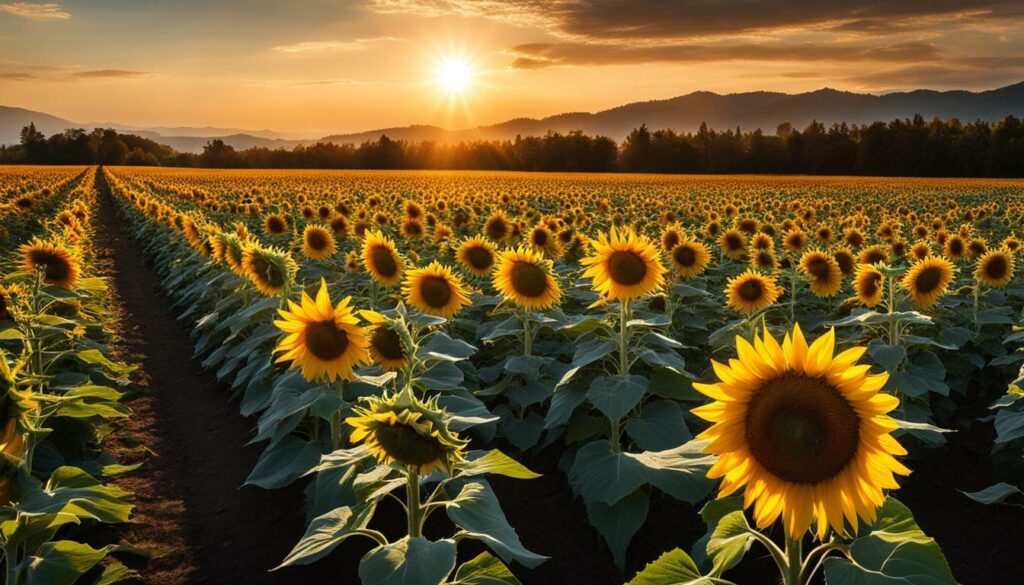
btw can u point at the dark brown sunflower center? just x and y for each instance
(874, 257)
(316, 240)
(801, 429)
(407, 446)
(627, 268)
(275, 225)
(388, 343)
(996, 267)
(479, 257)
(684, 256)
(325, 340)
(496, 229)
(928, 280)
(436, 291)
(733, 242)
(57, 269)
(751, 290)
(956, 247)
(671, 239)
(540, 238)
(383, 261)
(845, 263)
(818, 268)
(869, 285)
(528, 279)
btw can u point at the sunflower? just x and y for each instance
(325, 341)
(7, 295)
(543, 241)
(920, 251)
(869, 284)
(60, 265)
(476, 255)
(402, 430)
(435, 290)
(386, 346)
(526, 278)
(275, 224)
(733, 244)
(874, 254)
(381, 259)
(624, 266)
(844, 258)
(927, 280)
(764, 259)
(822, 272)
(269, 269)
(995, 268)
(690, 257)
(498, 228)
(317, 242)
(751, 291)
(806, 433)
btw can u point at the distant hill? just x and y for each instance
(764, 110)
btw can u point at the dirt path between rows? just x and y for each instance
(192, 440)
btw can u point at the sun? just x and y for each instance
(454, 75)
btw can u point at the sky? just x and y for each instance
(315, 67)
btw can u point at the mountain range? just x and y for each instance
(764, 110)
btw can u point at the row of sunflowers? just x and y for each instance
(60, 388)
(780, 343)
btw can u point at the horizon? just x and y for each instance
(347, 67)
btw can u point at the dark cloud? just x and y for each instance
(680, 19)
(938, 77)
(109, 74)
(16, 76)
(539, 55)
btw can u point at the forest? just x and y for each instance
(902, 147)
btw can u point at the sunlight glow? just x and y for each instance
(454, 75)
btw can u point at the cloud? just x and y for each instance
(303, 82)
(682, 19)
(16, 76)
(331, 46)
(540, 55)
(34, 11)
(109, 74)
(937, 77)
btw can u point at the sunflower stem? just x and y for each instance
(794, 561)
(977, 295)
(527, 335)
(415, 511)
(624, 317)
(336, 421)
(794, 276)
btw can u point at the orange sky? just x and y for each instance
(324, 66)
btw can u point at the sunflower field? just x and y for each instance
(61, 386)
(769, 356)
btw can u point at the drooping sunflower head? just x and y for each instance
(526, 278)
(822, 272)
(404, 431)
(477, 256)
(995, 268)
(804, 432)
(750, 292)
(435, 290)
(624, 266)
(59, 264)
(927, 280)
(8, 296)
(869, 284)
(269, 269)
(387, 348)
(317, 242)
(381, 259)
(275, 224)
(844, 258)
(324, 340)
(690, 257)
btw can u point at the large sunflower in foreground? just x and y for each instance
(477, 256)
(750, 292)
(624, 266)
(60, 265)
(927, 280)
(381, 259)
(435, 290)
(325, 341)
(525, 277)
(402, 430)
(806, 433)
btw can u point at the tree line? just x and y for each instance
(903, 147)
